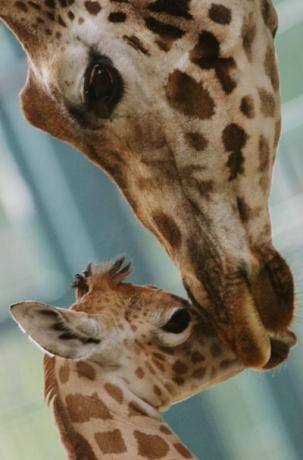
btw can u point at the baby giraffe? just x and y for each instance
(120, 355)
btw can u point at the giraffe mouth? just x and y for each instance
(280, 348)
(252, 312)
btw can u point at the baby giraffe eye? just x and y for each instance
(178, 322)
(103, 87)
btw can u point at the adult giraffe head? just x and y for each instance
(178, 101)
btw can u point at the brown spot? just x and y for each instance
(164, 429)
(182, 450)
(235, 165)
(167, 32)
(220, 14)
(179, 367)
(34, 5)
(111, 442)
(270, 16)
(114, 391)
(85, 370)
(178, 380)
(92, 7)
(118, 16)
(206, 54)
(134, 409)
(188, 96)
(21, 6)
(270, 66)
(248, 107)
(204, 187)
(207, 51)
(159, 356)
(81, 446)
(159, 365)
(226, 363)
(196, 141)
(82, 408)
(225, 70)
(139, 373)
(135, 43)
(152, 447)
(197, 357)
(50, 15)
(234, 137)
(215, 350)
(168, 228)
(248, 37)
(64, 372)
(157, 390)
(71, 15)
(61, 22)
(268, 103)
(264, 154)
(199, 373)
(179, 9)
(244, 209)
(150, 368)
(170, 388)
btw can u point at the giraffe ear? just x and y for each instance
(66, 333)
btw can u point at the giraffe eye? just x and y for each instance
(178, 322)
(103, 87)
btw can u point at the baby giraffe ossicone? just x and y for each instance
(121, 354)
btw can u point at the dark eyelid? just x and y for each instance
(178, 322)
(97, 101)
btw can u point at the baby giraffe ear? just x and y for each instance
(66, 333)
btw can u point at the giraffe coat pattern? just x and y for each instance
(179, 103)
(121, 354)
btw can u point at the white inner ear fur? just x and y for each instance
(57, 331)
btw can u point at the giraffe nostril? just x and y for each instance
(273, 291)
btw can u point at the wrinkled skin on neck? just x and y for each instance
(190, 139)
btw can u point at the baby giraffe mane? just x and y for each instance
(75, 444)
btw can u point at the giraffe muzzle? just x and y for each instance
(260, 312)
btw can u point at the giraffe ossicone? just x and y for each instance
(121, 354)
(178, 101)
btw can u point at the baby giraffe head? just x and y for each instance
(121, 354)
(160, 345)
(155, 342)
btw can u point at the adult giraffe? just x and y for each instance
(178, 101)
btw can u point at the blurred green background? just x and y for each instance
(58, 212)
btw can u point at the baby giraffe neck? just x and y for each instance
(102, 418)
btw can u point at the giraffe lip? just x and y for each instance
(281, 344)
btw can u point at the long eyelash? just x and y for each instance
(79, 282)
